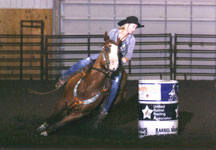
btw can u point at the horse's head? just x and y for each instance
(110, 54)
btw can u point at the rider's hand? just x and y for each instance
(124, 60)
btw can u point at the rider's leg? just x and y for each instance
(66, 76)
(77, 66)
(113, 92)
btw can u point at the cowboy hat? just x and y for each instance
(130, 19)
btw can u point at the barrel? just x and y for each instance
(158, 107)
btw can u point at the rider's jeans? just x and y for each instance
(113, 92)
(79, 65)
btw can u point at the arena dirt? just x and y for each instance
(22, 112)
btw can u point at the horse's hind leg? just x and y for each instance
(69, 118)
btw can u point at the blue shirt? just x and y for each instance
(127, 45)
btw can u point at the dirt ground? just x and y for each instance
(22, 112)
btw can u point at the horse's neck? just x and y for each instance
(94, 78)
(92, 83)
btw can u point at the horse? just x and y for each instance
(87, 89)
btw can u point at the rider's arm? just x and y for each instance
(130, 47)
(124, 60)
(113, 33)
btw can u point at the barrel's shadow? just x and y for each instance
(184, 118)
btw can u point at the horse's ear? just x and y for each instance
(106, 36)
(118, 42)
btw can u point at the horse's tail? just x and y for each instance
(41, 93)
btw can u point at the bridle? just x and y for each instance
(106, 70)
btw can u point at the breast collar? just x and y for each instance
(86, 101)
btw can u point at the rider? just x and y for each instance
(127, 27)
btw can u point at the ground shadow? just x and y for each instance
(184, 118)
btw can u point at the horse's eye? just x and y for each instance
(106, 48)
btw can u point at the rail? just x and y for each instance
(163, 56)
(21, 57)
(62, 51)
(195, 56)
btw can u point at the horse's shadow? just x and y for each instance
(122, 114)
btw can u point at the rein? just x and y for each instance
(94, 98)
(107, 73)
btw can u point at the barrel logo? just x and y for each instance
(149, 92)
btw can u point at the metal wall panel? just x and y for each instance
(27, 4)
(158, 16)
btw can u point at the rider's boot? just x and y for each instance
(74, 68)
(62, 81)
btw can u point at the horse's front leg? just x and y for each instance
(71, 117)
(42, 127)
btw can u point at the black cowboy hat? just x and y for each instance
(130, 19)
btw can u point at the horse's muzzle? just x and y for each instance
(113, 69)
(113, 66)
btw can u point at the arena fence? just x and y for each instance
(21, 57)
(152, 54)
(156, 56)
(194, 56)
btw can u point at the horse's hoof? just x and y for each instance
(42, 127)
(44, 133)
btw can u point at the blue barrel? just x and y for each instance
(158, 107)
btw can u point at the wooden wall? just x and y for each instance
(10, 20)
(10, 24)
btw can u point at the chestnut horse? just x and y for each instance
(87, 89)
